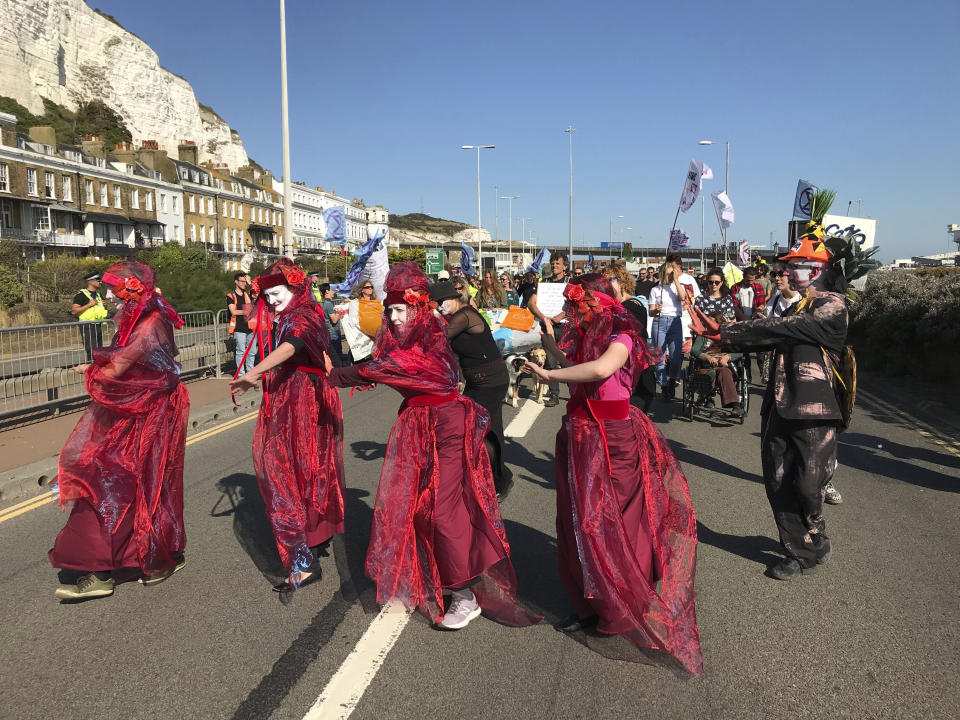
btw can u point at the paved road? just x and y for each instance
(872, 634)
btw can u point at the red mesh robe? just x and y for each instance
(298, 441)
(625, 521)
(436, 520)
(123, 464)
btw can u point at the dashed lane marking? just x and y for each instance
(523, 420)
(342, 694)
(925, 430)
(35, 502)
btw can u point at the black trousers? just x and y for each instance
(798, 458)
(487, 386)
(92, 335)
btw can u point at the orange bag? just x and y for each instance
(370, 316)
(518, 318)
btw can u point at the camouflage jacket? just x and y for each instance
(801, 382)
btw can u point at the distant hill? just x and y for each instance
(421, 223)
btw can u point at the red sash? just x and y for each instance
(425, 400)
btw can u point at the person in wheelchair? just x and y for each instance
(709, 360)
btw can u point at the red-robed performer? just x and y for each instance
(298, 441)
(436, 524)
(122, 467)
(624, 518)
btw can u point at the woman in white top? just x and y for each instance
(667, 301)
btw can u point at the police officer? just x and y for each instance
(314, 279)
(88, 306)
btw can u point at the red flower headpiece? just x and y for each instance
(588, 301)
(408, 296)
(128, 288)
(288, 275)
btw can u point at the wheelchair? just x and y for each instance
(699, 390)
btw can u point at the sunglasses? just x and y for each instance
(779, 273)
(714, 282)
(367, 287)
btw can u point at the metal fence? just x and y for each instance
(37, 361)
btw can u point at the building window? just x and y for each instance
(193, 232)
(240, 212)
(117, 202)
(174, 204)
(226, 237)
(203, 233)
(148, 199)
(49, 183)
(103, 195)
(211, 210)
(233, 209)
(176, 233)
(223, 207)
(4, 181)
(163, 202)
(31, 181)
(135, 198)
(6, 215)
(192, 203)
(41, 218)
(235, 245)
(88, 187)
(67, 188)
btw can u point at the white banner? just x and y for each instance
(550, 298)
(724, 208)
(694, 182)
(864, 229)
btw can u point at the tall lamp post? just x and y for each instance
(478, 148)
(726, 190)
(511, 198)
(570, 131)
(610, 236)
(285, 133)
(496, 219)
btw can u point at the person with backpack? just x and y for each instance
(801, 413)
(244, 331)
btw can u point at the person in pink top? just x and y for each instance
(625, 522)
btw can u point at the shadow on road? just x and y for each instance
(241, 498)
(757, 548)
(368, 450)
(527, 466)
(860, 452)
(534, 557)
(686, 456)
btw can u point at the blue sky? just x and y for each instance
(862, 97)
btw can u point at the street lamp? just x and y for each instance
(478, 148)
(726, 190)
(511, 198)
(570, 131)
(610, 235)
(285, 139)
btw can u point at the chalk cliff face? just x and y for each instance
(64, 51)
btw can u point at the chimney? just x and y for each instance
(247, 173)
(92, 145)
(187, 151)
(8, 129)
(266, 180)
(124, 152)
(44, 134)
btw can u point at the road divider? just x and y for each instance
(523, 420)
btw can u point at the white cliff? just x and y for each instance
(64, 51)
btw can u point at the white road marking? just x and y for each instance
(523, 420)
(342, 694)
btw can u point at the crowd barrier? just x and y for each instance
(37, 361)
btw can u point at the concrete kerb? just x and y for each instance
(31, 480)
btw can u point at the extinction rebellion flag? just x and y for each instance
(678, 240)
(697, 173)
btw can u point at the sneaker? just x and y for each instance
(551, 401)
(736, 411)
(831, 495)
(88, 586)
(463, 608)
(159, 577)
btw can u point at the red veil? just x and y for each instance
(614, 580)
(298, 441)
(124, 459)
(417, 361)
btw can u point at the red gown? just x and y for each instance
(122, 466)
(436, 521)
(298, 441)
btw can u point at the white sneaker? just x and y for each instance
(463, 609)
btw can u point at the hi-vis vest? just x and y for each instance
(94, 312)
(317, 295)
(232, 327)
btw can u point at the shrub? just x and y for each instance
(11, 291)
(906, 322)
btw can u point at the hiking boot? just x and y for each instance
(463, 608)
(88, 586)
(831, 495)
(787, 569)
(159, 577)
(551, 400)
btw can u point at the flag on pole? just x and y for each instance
(590, 260)
(542, 258)
(466, 259)
(374, 253)
(678, 240)
(336, 221)
(697, 173)
(743, 255)
(801, 203)
(724, 208)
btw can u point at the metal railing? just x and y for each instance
(37, 361)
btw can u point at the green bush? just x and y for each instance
(189, 276)
(905, 323)
(11, 291)
(63, 277)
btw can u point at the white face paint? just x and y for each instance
(449, 306)
(397, 314)
(803, 273)
(278, 297)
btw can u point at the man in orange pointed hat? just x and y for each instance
(800, 412)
